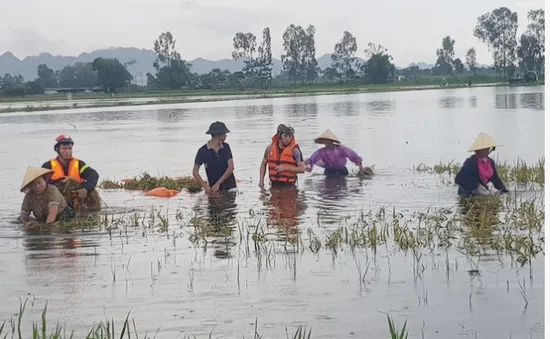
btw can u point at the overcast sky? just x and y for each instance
(411, 30)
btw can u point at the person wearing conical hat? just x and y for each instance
(479, 169)
(333, 156)
(42, 199)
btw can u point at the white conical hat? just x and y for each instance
(327, 135)
(32, 173)
(483, 141)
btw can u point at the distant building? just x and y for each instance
(139, 79)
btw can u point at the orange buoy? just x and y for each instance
(161, 192)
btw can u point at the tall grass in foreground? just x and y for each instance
(13, 329)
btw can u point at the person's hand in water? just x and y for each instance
(308, 169)
(215, 187)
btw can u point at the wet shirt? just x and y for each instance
(39, 204)
(333, 157)
(215, 164)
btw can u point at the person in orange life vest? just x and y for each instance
(65, 167)
(283, 158)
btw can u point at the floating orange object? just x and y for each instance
(161, 192)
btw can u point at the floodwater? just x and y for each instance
(168, 282)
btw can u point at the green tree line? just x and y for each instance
(497, 29)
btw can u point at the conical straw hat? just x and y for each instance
(31, 174)
(327, 135)
(483, 141)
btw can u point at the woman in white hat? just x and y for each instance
(479, 169)
(333, 156)
(43, 200)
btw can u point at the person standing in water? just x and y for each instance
(283, 158)
(333, 156)
(479, 169)
(218, 161)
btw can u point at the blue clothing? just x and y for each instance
(468, 179)
(215, 164)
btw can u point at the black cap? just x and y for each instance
(217, 128)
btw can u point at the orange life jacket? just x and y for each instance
(59, 172)
(275, 159)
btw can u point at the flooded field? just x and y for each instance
(334, 256)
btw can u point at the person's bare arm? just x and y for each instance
(53, 210)
(198, 177)
(263, 167)
(24, 217)
(227, 173)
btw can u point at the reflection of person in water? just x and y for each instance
(219, 220)
(222, 209)
(286, 207)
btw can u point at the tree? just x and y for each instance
(445, 57)
(165, 49)
(531, 43)
(471, 59)
(46, 77)
(309, 61)
(111, 74)
(258, 60)
(245, 49)
(498, 30)
(265, 59)
(379, 67)
(172, 71)
(458, 66)
(78, 75)
(299, 62)
(343, 58)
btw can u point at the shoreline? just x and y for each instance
(167, 98)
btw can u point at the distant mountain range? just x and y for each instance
(144, 58)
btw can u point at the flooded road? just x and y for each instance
(167, 278)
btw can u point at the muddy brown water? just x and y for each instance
(168, 282)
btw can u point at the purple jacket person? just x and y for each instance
(333, 156)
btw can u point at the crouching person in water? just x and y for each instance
(73, 177)
(42, 199)
(333, 156)
(479, 169)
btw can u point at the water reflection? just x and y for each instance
(381, 105)
(346, 108)
(172, 115)
(473, 101)
(302, 110)
(451, 102)
(217, 220)
(285, 206)
(523, 100)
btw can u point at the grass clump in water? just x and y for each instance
(146, 182)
